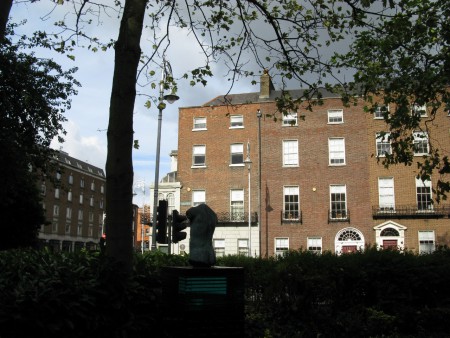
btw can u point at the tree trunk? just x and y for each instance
(5, 9)
(119, 166)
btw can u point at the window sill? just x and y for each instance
(199, 129)
(290, 166)
(237, 165)
(337, 165)
(198, 166)
(238, 127)
(335, 123)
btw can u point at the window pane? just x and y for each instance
(336, 147)
(236, 121)
(291, 203)
(237, 153)
(290, 152)
(335, 116)
(198, 155)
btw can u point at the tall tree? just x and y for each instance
(34, 94)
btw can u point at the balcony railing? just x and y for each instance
(339, 216)
(411, 211)
(291, 217)
(236, 217)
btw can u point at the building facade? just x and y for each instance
(74, 205)
(314, 182)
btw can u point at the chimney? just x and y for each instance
(266, 85)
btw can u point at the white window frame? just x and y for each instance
(421, 138)
(335, 116)
(67, 228)
(290, 153)
(79, 229)
(81, 198)
(82, 182)
(419, 110)
(68, 213)
(69, 196)
(102, 189)
(237, 211)
(54, 227)
(236, 149)
(427, 241)
(382, 144)
(281, 245)
(70, 178)
(236, 121)
(100, 204)
(91, 216)
(93, 186)
(291, 208)
(336, 151)
(219, 247)
(80, 214)
(379, 111)
(199, 152)
(290, 120)
(386, 194)
(242, 248)
(57, 191)
(423, 197)
(314, 244)
(56, 210)
(198, 197)
(199, 123)
(338, 212)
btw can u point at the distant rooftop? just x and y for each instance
(70, 161)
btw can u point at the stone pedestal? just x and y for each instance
(203, 302)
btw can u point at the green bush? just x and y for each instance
(368, 294)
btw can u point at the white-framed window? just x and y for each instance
(237, 204)
(335, 116)
(67, 228)
(423, 195)
(386, 198)
(170, 202)
(380, 111)
(100, 204)
(79, 229)
(199, 156)
(383, 144)
(338, 201)
(80, 215)
(237, 154)
(93, 186)
(243, 247)
(427, 242)
(54, 227)
(68, 212)
(290, 153)
(91, 201)
(219, 247)
(336, 151)
(58, 175)
(82, 182)
(281, 245)
(70, 178)
(91, 216)
(102, 189)
(420, 143)
(90, 230)
(289, 120)
(81, 198)
(236, 121)
(199, 123)
(56, 192)
(419, 110)
(69, 196)
(291, 203)
(314, 244)
(56, 210)
(198, 197)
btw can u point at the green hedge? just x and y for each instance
(370, 294)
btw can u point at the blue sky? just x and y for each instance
(88, 118)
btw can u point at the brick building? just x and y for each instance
(74, 205)
(313, 179)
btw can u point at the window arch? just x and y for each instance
(389, 232)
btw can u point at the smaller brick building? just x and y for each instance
(74, 205)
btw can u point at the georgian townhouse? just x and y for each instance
(307, 180)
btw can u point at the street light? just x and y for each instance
(249, 165)
(171, 98)
(259, 115)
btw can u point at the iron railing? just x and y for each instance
(411, 211)
(236, 217)
(290, 217)
(339, 216)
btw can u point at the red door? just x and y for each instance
(390, 244)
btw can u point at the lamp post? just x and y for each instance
(249, 165)
(259, 115)
(171, 98)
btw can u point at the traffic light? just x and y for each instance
(178, 224)
(161, 223)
